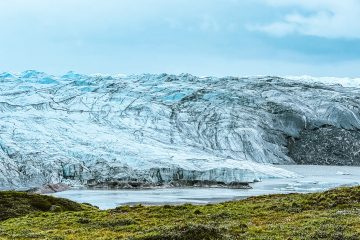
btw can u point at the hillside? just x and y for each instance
(334, 214)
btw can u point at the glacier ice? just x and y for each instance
(89, 129)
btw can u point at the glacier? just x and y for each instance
(156, 129)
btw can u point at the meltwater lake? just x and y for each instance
(310, 179)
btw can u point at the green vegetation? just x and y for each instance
(16, 204)
(334, 214)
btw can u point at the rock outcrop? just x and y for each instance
(326, 145)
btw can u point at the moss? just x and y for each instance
(190, 231)
(15, 204)
(116, 223)
(334, 214)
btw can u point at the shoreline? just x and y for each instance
(327, 215)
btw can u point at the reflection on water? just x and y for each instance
(311, 179)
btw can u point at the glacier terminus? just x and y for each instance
(171, 130)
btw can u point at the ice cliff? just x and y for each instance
(164, 128)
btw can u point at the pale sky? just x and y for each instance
(202, 37)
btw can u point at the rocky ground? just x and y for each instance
(326, 145)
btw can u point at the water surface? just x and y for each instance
(310, 179)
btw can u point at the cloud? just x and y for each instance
(136, 36)
(321, 18)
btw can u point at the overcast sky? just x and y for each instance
(202, 37)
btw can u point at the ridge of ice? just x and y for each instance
(343, 81)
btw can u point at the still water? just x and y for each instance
(310, 179)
